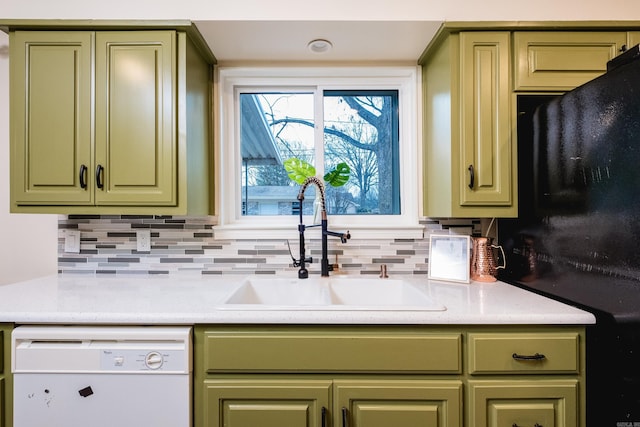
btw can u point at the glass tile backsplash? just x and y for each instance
(187, 245)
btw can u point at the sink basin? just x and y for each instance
(387, 294)
(329, 294)
(275, 293)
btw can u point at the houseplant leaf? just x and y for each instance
(338, 176)
(298, 170)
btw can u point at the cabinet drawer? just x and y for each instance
(563, 60)
(524, 353)
(289, 350)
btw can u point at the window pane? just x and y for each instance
(361, 130)
(273, 128)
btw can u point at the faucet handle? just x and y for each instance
(345, 237)
(335, 266)
(383, 271)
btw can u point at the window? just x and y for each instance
(359, 128)
(364, 117)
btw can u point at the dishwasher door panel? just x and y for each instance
(101, 400)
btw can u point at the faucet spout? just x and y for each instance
(325, 267)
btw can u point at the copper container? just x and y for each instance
(484, 265)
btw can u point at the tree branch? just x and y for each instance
(330, 131)
(362, 112)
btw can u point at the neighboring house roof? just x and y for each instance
(269, 192)
(258, 144)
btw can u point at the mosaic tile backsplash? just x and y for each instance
(187, 245)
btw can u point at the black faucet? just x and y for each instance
(325, 267)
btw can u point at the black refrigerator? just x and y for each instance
(577, 236)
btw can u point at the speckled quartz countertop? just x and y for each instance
(189, 300)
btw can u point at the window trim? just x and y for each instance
(405, 79)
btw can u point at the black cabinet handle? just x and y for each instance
(345, 415)
(324, 417)
(83, 176)
(623, 48)
(99, 173)
(472, 177)
(535, 425)
(536, 356)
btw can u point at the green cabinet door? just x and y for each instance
(562, 60)
(2, 403)
(391, 403)
(265, 403)
(486, 150)
(470, 163)
(508, 403)
(136, 148)
(51, 105)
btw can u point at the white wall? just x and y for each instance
(28, 243)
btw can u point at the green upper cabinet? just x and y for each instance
(108, 121)
(470, 168)
(135, 150)
(51, 106)
(561, 61)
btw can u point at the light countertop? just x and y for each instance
(189, 300)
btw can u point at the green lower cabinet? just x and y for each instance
(356, 403)
(266, 403)
(406, 403)
(6, 380)
(509, 403)
(2, 414)
(389, 376)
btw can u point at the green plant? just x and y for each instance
(299, 170)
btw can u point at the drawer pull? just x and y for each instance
(324, 417)
(536, 356)
(535, 425)
(344, 417)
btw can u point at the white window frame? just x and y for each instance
(405, 79)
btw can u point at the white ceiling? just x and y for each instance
(286, 41)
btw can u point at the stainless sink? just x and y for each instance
(332, 293)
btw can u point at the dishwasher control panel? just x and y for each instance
(114, 360)
(102, 349)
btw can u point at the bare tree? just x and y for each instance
(363, 165)
(377, 111)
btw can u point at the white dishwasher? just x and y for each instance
(102, 376)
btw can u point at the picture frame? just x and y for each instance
(449, 257)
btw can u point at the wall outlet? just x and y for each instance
(72, 241)
(143, 240)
